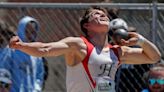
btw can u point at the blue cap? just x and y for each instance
(5, 76)
(22, 27)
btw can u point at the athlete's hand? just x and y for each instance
(15, 42)
(134, 37)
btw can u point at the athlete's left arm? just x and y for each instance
(147, 54)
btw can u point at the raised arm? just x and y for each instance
(61, 47)
(147, 54)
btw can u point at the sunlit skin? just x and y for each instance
(97, 28)
(157, 75)
(98, 21)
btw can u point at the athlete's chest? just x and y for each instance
(102, 57)
(103, 63)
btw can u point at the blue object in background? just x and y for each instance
(22, 27)
(27, 71)
(145, 90)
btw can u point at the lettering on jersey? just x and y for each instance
(104, 86)
(106, 69)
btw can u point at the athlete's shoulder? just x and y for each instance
(115, 46)
(72, 39)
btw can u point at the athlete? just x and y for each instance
(91, 61)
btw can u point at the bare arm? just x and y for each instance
(61, 47)
(147, 54)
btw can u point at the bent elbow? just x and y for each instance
(156, 58)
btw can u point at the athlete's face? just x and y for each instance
(98, 21)
(156, 81)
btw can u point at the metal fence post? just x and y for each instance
(23, 12)
(154, 21)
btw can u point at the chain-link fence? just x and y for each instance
(59, 20)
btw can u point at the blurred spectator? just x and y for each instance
(28, 72)
(5, 35)
(5, 80)
(6, 32)
(155, 79)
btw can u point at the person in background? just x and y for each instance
(28, 72)
(6, 32)
(91, 61)
(5, 80)
(155, 79)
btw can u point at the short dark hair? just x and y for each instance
(85, 18)
(113, 13)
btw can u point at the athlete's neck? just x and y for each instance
(99, 40)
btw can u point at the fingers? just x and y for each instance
(14, 39)
(14, 42)
(130, 42)
(134, 37)
(133, 34)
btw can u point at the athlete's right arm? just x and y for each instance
(64, 46)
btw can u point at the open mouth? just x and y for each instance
(103, 19)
